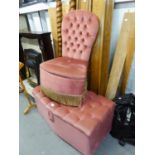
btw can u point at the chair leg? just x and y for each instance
(28, 108)
(30, 104)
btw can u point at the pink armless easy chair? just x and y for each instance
(63, 79)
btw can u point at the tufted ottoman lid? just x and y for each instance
(87, 118)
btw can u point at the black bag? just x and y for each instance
(123, 127)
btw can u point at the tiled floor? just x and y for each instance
(36, 138)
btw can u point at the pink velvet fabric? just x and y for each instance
(67, 75)
(60, 84)
(82, 127)
(66, 67)
(79, 30)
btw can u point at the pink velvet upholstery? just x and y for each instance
(82, 127)
(64, 79)
(66, 67)
(79, 29)
(60, 84)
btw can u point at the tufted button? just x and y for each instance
(87, 34)
(66, 31)
(75, 38)
(65, 43)
(82, 19)
(85, 46)
(82, 40)
(69, 37)
(85, 26)
(80, 33)
(78, 25)
(73, 31)
(80, 52)
(71, 24)
(74, 50)
(67, 49)
(71, 44)
(89, 20)
(78, 45)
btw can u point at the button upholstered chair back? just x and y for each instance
(63, 79)
(79, 30)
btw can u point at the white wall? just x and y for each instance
(22, 23)
(119, 11)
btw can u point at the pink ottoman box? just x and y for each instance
(83, 127)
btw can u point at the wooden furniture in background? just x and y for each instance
(72, 5)
(59, 21)
(105, 61)
(55, 15)
(53, 24)
(44, 41)
(30, 104)
(98, 8)
(21, 59)
(84, 4)
(32, 61)
(123, 48)
(65, 7)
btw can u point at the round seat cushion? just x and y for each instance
(66, 67)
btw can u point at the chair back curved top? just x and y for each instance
(79, 30)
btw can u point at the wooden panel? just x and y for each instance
(120, 55)
(77, 4)
(129, 59)
(52, 17)
(84, 4)
(72, 5)
(104, 73)
(65, 7)
(98, 7)
(89, 6)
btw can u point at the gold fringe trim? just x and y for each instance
(64, 99)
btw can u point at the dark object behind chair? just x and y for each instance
(33, 60)
(123, 127)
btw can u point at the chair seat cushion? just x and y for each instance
(64, 80)
(66, 67)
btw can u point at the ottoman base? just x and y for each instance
(82, 127)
